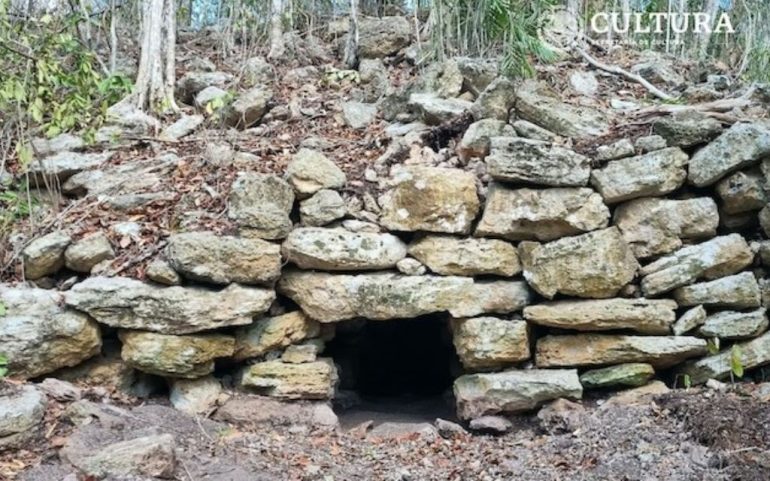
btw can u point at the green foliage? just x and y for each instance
(3, 366)
(736, 364)
(14, 205)
(713, 345)
(51, 80)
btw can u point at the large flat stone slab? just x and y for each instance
(132, 304)
(379, 296)
(740, 291)
(653, 226)
(647, 316)
(221, 259)
(652, 174)
(734, 324)
(607, 349)
(515, 159)
(342, 250)
(513, 391)
(452, 256)
(597, 264)
(541, 214)
(712, 259)
(741, 145)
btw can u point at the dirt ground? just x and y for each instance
(698, 434)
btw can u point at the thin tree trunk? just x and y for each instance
(351, 47)
(711, 8)
(154, 89)
(113, 38)
(277, 48)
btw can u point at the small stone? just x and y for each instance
(431, 199)
(650, 143)
(298, 354)
(584, 83)
(274, 333)
(64, 165)
(248, 108)
(475, 141)
(208, 96)
(491, 424)
(653, 174)
(257, 71)
(739, 291)
(561, 416)
(151, 456)
(358, 115)
(489, 342)
(734, 325)
(603, 349)
(311, 380)
(541, 214)
(84, 254)
(220, 259)
(715, 258)
(45, 255)
(688, 321)
(262, 204)
(160, 271)
(513, 391)
(451, 256)
(195, 396)
(181, 128)
(310, 171)
(647, 316)
(60, 390)
(411, 267)
(597, 264)
(528, 130)
(741, 145)
(191, 83)
(514, 159)
(324, 207)
(434, 110)
(637, 395)
(448, 429)
(618, 150)
(742, 192)
(21, 414)
(653, 226)
(187, 357)
(687, 129)
(632, 374)
(443, 78)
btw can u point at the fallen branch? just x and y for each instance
(623, 73)
(709, 108)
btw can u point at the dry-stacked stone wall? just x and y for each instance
(559, 273)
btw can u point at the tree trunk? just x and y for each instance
(711, 8)
(277, 48)
(154, 89)
(351, 47)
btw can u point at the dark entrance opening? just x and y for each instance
(395, 365)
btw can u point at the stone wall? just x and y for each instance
(558, 272)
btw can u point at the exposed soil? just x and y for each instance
(684, 435)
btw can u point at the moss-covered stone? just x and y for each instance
(631, 374)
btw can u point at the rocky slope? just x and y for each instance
(566, 251)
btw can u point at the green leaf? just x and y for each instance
(736, 364)
(2, 313)
(712, 345)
